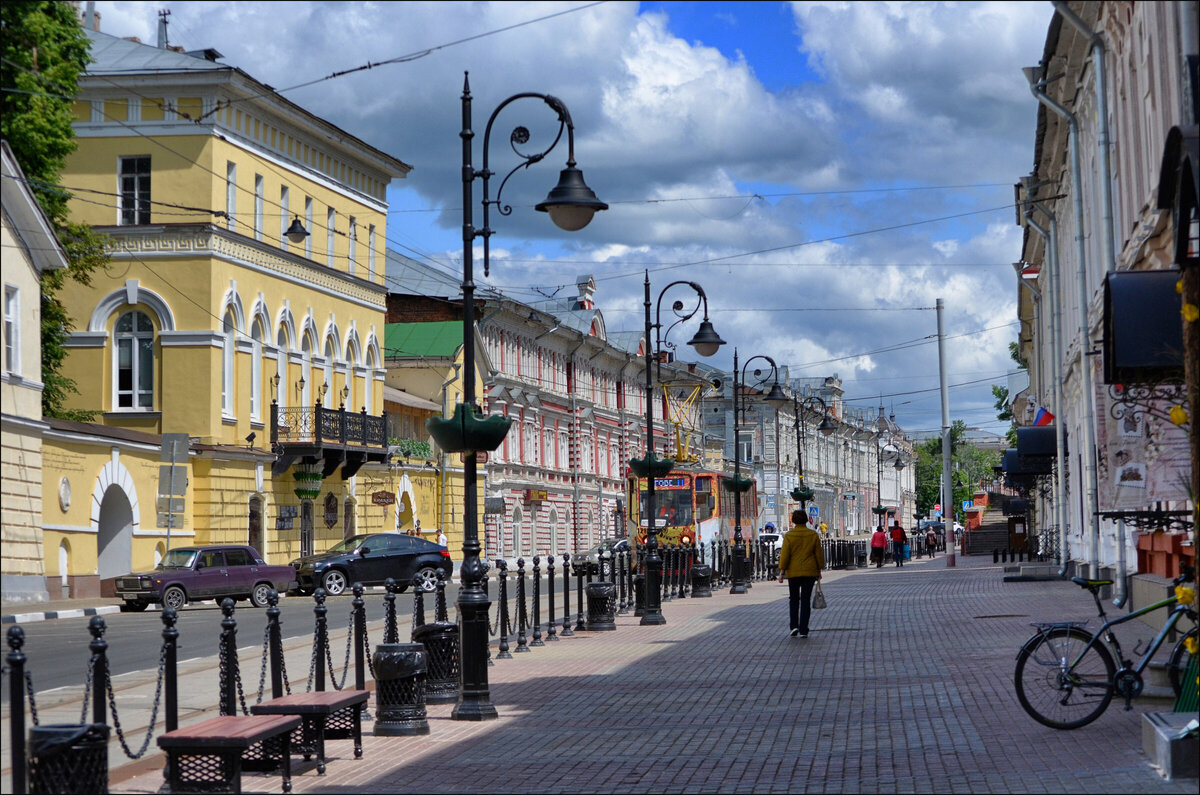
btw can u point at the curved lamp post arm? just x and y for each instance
(705, 341)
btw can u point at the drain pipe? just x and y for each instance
(1107, 236)
(444, 459)
(1060, 494)
(1037, 86)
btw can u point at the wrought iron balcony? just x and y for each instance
(346, 439)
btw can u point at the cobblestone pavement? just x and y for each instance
(905, 685)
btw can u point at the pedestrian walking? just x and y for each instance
(879, 542)
(899, 539)
(931, 542)
(800, 563)
(441, 538)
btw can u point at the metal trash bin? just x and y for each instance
(68, 758)
(440, 640)
(400, 670)
(701, 580)
(601, 606)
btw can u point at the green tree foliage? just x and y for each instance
(44, 51)
(970, 466)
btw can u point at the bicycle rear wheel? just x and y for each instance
(1178, 662)
(1054, 696)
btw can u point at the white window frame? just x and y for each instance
(283, 216)
(308, 224)
(134, 337)
(353, 247)
(281, 368)
(330, 220)
(231, 196)
(256, 371)
(258, 207)
(140, 215)
(371, 252)
(12, 329)
(229, 336)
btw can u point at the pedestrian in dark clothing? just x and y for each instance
(800, 563)
(899, 539)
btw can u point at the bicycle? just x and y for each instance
(1066, 676)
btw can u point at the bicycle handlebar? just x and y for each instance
(1186, 574)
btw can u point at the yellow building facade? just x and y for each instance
(243, 310)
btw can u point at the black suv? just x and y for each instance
(372, 558)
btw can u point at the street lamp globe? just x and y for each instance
(707, 341)
(776, 399)
(571, 204)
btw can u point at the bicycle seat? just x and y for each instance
(1089, 584)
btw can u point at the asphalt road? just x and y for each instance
(58, 651)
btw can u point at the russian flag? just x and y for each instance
(1043, 417)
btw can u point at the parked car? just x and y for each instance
(371, 559)
(592, 556)
(188, 574)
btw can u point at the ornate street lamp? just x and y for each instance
(776, 399)
(705, 342)
(571, 205)
(802, 494)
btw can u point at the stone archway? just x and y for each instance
(116, 514)
(114, 539)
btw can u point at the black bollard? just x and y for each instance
(566, 622)
(667, 551)
(503, 653)
(440, 613)
(522, 616)
(274, 643)
(99, 649)
(16, 710)
(227, 658)
(995, 555)
(622, 577)
(391, 633)
(322, 638)
(170, 637)
(360, 637)
(551, 632)
(579, 572)
(537, 595)
(418, 619)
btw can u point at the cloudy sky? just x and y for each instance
(826, 171)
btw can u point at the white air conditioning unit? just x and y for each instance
(758, 459)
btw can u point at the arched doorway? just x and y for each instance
(254, 529)
(114, 540)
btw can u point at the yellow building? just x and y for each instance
(244, 305)
(30, 247)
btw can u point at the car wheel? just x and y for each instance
(258, 596)
(133, 607)
(426, 579)
(174, 598)
(334, 582)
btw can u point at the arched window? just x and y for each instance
(256, 372)
(228, 328)
(306, 371)
(134, 361)
(281, 349)
(328, 374)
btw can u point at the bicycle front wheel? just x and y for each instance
(1177, 663)
(1057, 686)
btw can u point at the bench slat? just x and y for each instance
(311, 703)
(229, 731)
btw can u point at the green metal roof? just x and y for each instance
(437, 339)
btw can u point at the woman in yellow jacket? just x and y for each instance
(800, 562)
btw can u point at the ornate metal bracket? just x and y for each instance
(1133, 401)
(1151, 521)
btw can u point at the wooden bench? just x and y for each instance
(315, 709)
(207, 756)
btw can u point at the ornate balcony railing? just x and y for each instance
(318, 426)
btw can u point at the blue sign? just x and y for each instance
(813, 511)
(967, 504)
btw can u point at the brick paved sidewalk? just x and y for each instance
(904, 686)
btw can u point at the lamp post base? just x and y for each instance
(474, 697)
(652, 596)
(737, 582)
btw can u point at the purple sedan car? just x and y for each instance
(205, 572)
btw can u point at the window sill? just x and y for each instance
(141, 413)
(225, 420)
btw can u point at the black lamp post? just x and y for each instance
(571, 205)
(776, 399)
(802, 494)
(705, 342)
